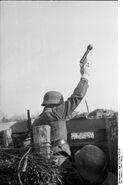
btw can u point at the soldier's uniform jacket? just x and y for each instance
(74, 178)
(56, 116)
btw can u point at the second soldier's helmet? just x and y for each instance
(52, 97)
(91, 162)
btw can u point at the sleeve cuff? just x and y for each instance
(84, 79)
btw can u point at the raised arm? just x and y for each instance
(74, 100)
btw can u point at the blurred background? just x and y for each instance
(41, 46)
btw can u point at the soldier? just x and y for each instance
(55, 112)
(91, 164)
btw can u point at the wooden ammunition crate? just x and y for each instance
(101, 132)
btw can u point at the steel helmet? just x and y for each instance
(91, 162)
(52, 97)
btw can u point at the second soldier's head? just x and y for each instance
(91, 163)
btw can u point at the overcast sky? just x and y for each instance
(42, 44)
